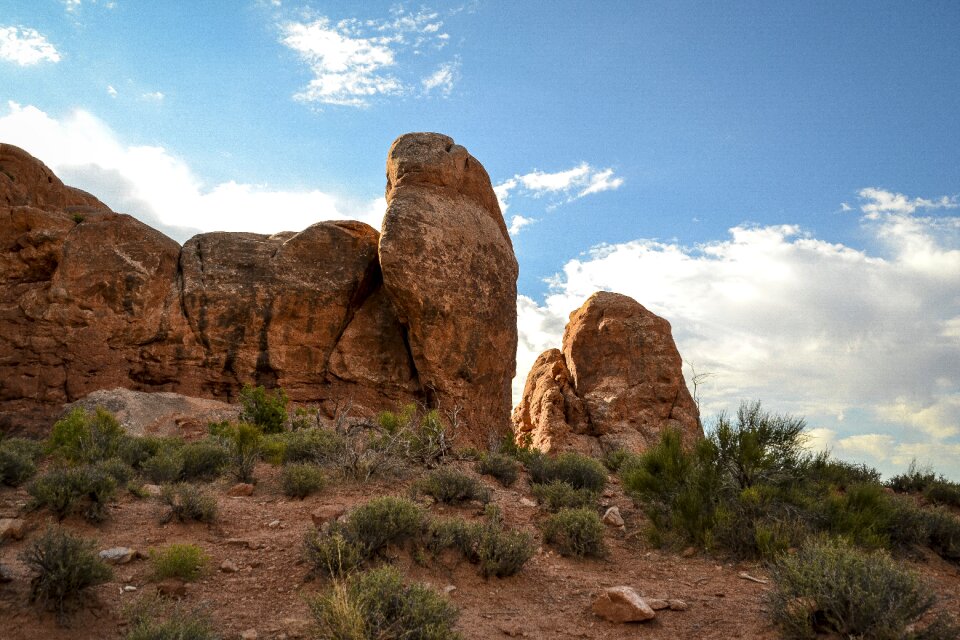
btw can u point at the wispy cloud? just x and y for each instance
(518, 222)
(864, 343)
(354, 61)
(156, 186)
(153, 96)
(559, 187)
(111, 91)
(74, 6)
(879, 201)
(25, 46)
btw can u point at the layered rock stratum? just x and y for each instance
(617, 382)
(337, 313)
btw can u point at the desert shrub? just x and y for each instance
(203, 460)
(829, 586)
(385, 520)
(827, 471)
(26, 447)
(84, 437)
(15, 467)
(300, 480)
(422, 436)
(451, 486)
(499, 465)
(264, 409)
(63, 565)
(117, 469)
(615, 459)
(579, 471)
(500, 553)
(378, 604)
(316, 445)
(243, 443)
(155, 619)
(333, 552)
(63, 490)
(165, 466)
(942, 532)
(915, 480)
(575, 532)
(450, 533)
(188, 502)
(183, 561)
(943, 492)
(137, 450)
(558, 495)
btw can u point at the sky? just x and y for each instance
(779, 180)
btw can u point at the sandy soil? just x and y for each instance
(550, 598)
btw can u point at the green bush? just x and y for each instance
(499, 465)
(579, 471)
(316, 445)
(450, 486)
(15, 467)
(26, 447)
(117, 469)
(300, 480)
(333, 552)
(575, 532)
(158, 620)
(183, 561)
(829, 586)
(244, 444)
(385, 520)
(84, 437)
(203, 460)
(165, 466)
(188, 502)
(943, 492)
(942, 532)
(63, 565)
(824, 470)
(450, 533)
(616, 459)
(263, 409)
(501, 553)
(63, 490)
(378, 604)
(422, 436)
(558, 495)
(915, 480)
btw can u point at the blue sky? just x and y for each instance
(777, 179)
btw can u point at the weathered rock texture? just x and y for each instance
(451, 274)
(91, 299)
(617, 382)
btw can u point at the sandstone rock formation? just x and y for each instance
(617, 382)
(91, 299)
(451, 274)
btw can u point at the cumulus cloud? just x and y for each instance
(159, 188)
(519, 222)
(26, 47)
(861, 342)
(354, 61)
(880, 201)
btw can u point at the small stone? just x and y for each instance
(129, 588)
(449, 589)
(689, 552)
(172, 588)
(657, 604)
(249, 634)
(5, 574)
(274, 524)
(527, 502)
(678, 605)
(241, 489)
(326, 514)
(151, 489)
(622, 604)
(12, 528)
(118, 555)
(229, 566)
(238, 541)
(613, 518)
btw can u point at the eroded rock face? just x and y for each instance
(451, 274)
(617, 382)
(93, 300)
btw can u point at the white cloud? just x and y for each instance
(442, 79)
(25, 46)
(74, 6)
(880, 201)
(159, 188)
(563, 186)
(807, 326)
(354, 61)
(111, 91)
(153, 96)
(519, 222)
